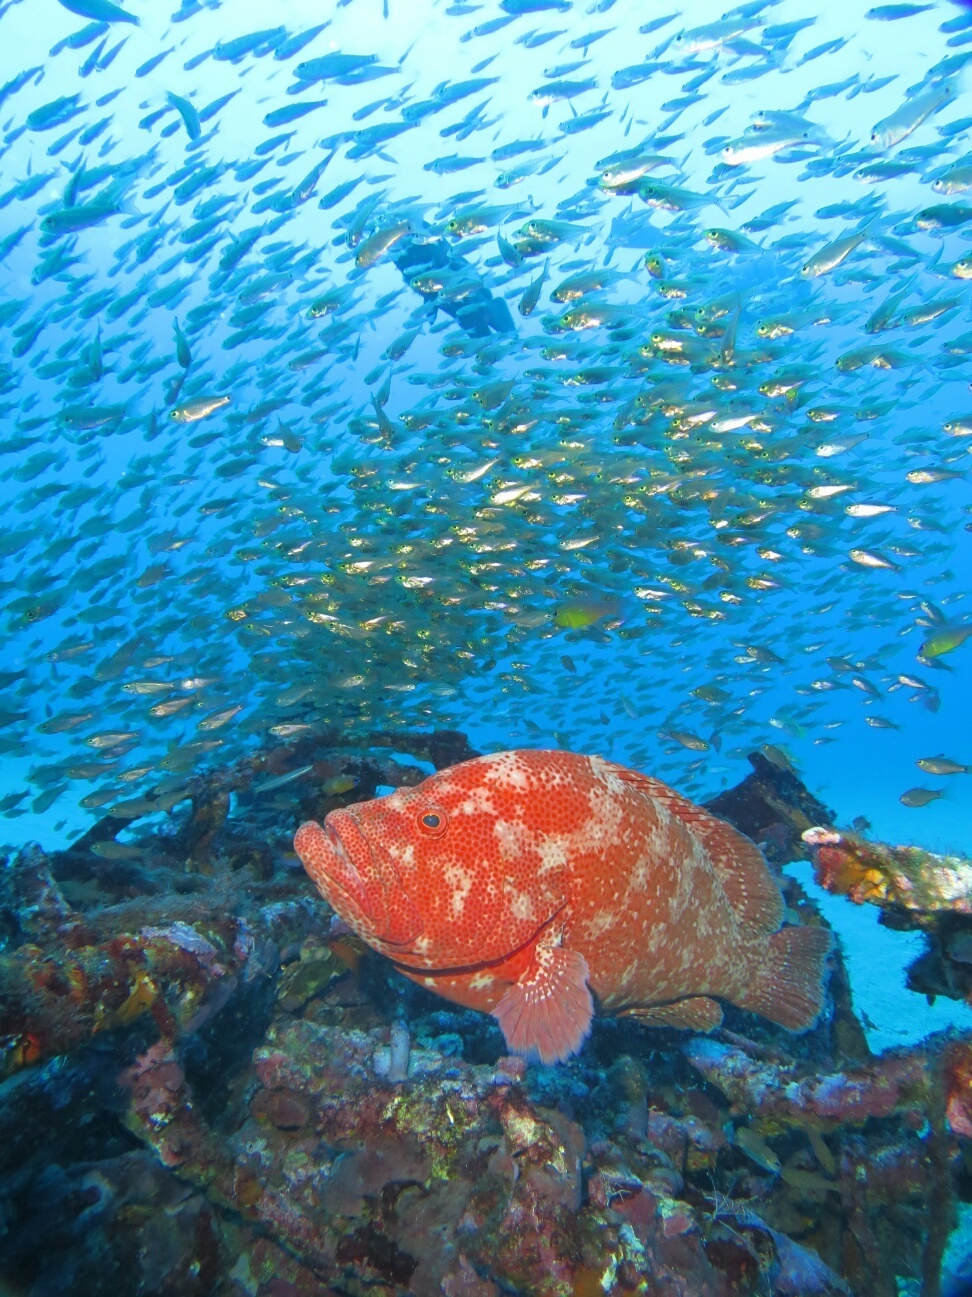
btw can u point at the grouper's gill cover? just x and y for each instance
(521, 883)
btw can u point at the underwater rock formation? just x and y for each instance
(773, 807)
(903, 877)
(212, 1088)
(914, 889)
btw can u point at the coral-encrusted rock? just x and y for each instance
(895, 1083)
(465, 1282)
(363, 1173)
(907, 878)
(549, 1148)
(957, 1071)
(175, 961)
(773, 807)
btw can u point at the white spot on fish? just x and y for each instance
(478, 802)
(508, 770)
(402, 854)
(513, 838)
(552, 855)
(600, 923)
(461, 881)
(521, 906)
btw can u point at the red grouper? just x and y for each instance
(520, 883)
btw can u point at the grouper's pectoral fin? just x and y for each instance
(547, 1014)
(698, 1013)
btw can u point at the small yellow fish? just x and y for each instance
(711, 694)
(916, 797)
(868, 558)
(756, 1149)
(139, 806)
(111, 738)
(376, 245)
(217, 719)
(807, 1184)
(945, 641)
(200, 407)
(338, 785)
(961, 427)
(581, 613)
(941, 766)
(821, 1150)
(776, 756)
(687, 740)
(112, 850)
(829, 257)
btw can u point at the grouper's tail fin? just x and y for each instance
(789, 988)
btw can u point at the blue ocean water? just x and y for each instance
(567, 373)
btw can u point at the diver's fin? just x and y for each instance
(789, 989)
(751, 890)
(547, 1014)
(698, 1013)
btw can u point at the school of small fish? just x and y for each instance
(602, 372)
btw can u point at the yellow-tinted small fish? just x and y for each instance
(830, 256)
(338, 785)
(868, 558)
(111, 738)
(945, 641)
(139, 806)
(818, 1144)
(956, 180)
(730, 241)
(776, 756)
(756, 1149)
(941, 766)
(112, 850)
(916, 797)
(960, 427)
(711, 694)
(929, 476)
(685, 739)
(377, 244)
(807, 1184)
(200, 407)
(580, 613)
(217, 719)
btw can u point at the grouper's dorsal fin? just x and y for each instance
(751, 890)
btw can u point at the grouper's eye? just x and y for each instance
(432, 823)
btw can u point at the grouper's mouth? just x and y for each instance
(352, 861)
(368, 882)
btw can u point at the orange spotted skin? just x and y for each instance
(458, 880)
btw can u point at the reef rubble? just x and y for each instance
(914, 889)
(209, 1087)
